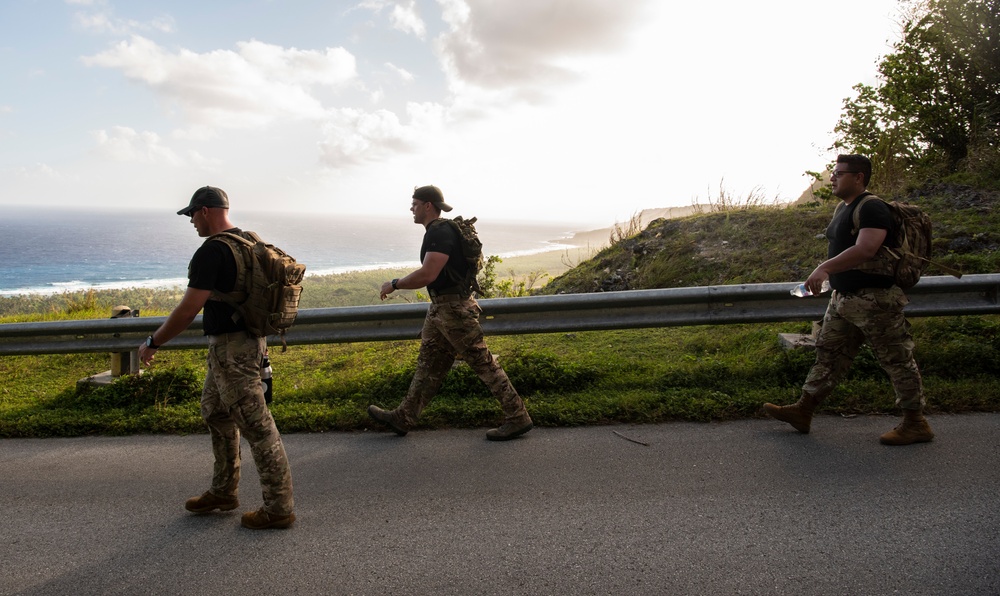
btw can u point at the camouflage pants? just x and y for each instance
(232, 402)
(450, 329)
(875, 315)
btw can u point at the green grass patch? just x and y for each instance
(567, 379)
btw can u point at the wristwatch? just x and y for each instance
(150, 344)
(394, 282)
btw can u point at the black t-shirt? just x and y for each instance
(213, 267)
(443, 238)
(874, 214)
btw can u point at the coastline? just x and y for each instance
(554, 256)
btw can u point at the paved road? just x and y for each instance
(745, 507)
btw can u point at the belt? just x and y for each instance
(860, 291)
(441, 298)
(449, 290)
(227, 337)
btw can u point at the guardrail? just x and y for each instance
(707, 305)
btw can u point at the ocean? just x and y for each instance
(48, 251)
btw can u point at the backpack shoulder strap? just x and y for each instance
(251, 236)
(460, 281)
(239, 239)
(862, 199)
(235, 241)
(449, 223)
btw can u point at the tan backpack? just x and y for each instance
(911, 233)
(267, 291)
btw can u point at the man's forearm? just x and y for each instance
(414, 280)
(849, 259)
(176, 323)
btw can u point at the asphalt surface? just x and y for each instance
(747, 507)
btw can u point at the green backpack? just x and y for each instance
(267, 291)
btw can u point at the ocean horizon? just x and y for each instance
(71, 251)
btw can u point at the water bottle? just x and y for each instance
(802, 291)
(265, 378)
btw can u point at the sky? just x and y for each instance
(549, 110)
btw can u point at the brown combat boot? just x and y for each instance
(799, 414)
(209, 502)
(390, 418)
(262, 520)
(511, 429)
(913, 429)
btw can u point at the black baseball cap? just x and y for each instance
(431, 194)
(206, 196)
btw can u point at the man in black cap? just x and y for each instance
(232, 400)
(451, 327)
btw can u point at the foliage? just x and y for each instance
(88, 304)
(488, 277)
(727, 201)
(623, 231)
(350, 289)
(534, 372)
(709, 249)
(156, 401)
(152, 389)
(936, 109)
(823, 192)
(511, 286)
(766, 245)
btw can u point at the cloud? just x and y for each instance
(37, 172)
(5, 109)
(105, 23)
(248, 88)
(127, 145)
(200, 161)
(99, 18)
(402, 73)
(352, 137)
(404, 17)
(492, 53)
(521, 48)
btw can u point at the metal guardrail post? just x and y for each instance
(124, 363)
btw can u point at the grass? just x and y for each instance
(698, 373)
(629, 376)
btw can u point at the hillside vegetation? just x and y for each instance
(774, 244)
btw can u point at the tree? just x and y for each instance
(938, 100)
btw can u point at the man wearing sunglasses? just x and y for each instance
(864, 305)
(232, 399)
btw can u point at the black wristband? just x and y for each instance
(150, 344)
(394, 282)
